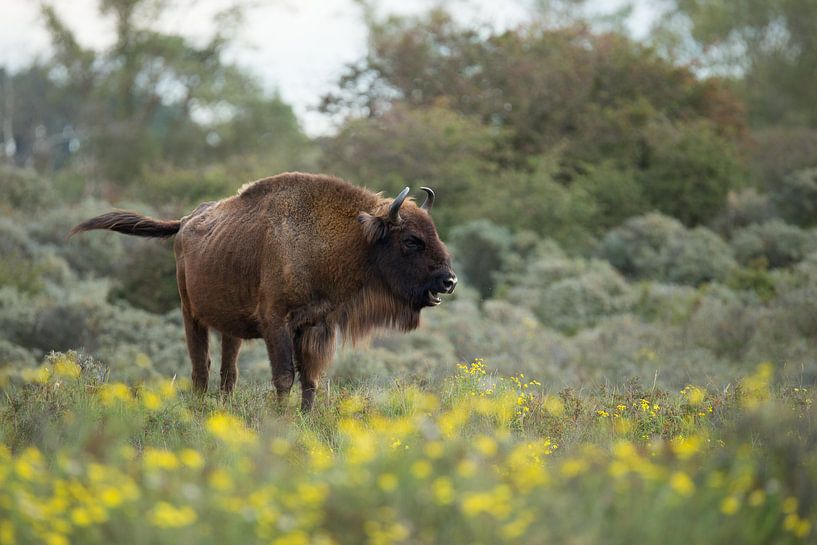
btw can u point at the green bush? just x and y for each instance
(481, 251)
(659, 248)
(90, 254)
(570, 294)
(698, 256)
(689, 171)
(743, 208)
(13, 355)
(19, 266)
(24, 190)
(796, 197)
(615, 192)
(145, 277)
(774, 243)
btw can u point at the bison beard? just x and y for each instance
(294, 259)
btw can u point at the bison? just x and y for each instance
(294, 259)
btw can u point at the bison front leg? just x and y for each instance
(230, 347)
(279, 348)
(314, 348)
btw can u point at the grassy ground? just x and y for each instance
(482, 459)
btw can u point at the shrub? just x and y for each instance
(570, 294)
(725, 321)
(615, 192)
(14, 355)
(637, 247)
(796, 197)
(743, 208)
(696, 257)
(690, 171)
(17, 313)
(90, 254)
(19, 266)
(660, 248)
(146, 276)
(775, 243)
(24, 190)
(481, 250)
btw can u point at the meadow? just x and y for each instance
(480, 458)
(630, 356)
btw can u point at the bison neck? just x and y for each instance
(375, 306)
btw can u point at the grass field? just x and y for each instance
(480, 459)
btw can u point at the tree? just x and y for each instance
(770, 46)
(152, 97)
(542, 85)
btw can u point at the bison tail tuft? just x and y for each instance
(129, 223)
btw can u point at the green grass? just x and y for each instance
(480, 459)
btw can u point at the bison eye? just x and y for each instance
(413, 244)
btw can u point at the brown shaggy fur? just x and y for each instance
(293, 259)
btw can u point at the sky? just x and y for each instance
(298, 48)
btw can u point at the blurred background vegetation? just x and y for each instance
(617, 207)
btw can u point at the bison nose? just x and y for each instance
(450, 283)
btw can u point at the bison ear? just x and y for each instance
(374, 227)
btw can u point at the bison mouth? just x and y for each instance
(432, 298)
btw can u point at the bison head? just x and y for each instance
(407, 251)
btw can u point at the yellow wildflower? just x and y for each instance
(486, 445)
(730, 505)
(443, 490)
(166, 515)
(64, 367)
(230, 429)
(387, 482)
(154, 458)
(421, 469)
(682, 484)
(191, 458)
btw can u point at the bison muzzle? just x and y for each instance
(294, 260)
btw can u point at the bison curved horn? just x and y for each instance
(429, 202)
(394, 209)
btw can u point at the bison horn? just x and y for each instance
(394, 209)
(429, 202)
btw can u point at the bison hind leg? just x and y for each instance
(314, 349)
(198, 348)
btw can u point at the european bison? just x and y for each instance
(293, 259)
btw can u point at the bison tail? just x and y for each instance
(129, 223)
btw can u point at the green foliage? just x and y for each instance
(771, 44)
(481, 250)
(568, 213)
(777, 152)
(19, 266)
(570, 294)
(146, 276)
(151, 98)
(660, 248)
(774, 243)
(431, 146)
(94, 255)
(24, 190)
(689, 171)
(12, 355)
(796, 197)
(743, 208)
(540, 83)
(616, 194)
